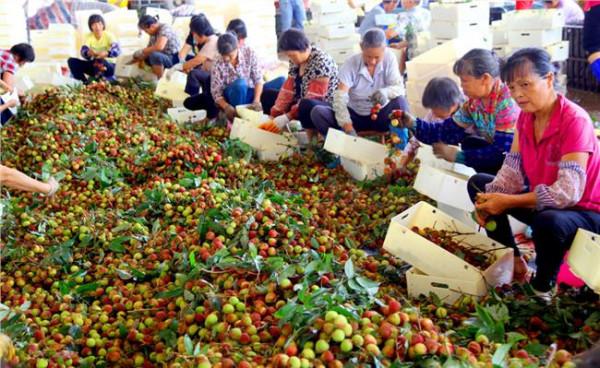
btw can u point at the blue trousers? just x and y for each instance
(239, 93)
(292, 14)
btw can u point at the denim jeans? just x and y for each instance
(239, 93)
(292, 14)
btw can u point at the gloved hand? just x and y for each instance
(281, 121)
(380, 97)
(230, 112)
(256, 106)
(53, 187)
(596, 69)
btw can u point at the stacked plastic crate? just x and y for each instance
(333, 29)
(13, 28)
(459, 20)
(541, 28)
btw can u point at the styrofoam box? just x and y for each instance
(534, 38)
(311, 30)
(502, 51)
(444, 186)
(124, 70)
(340, 56)
(434, 260)
(499, 33)
(362, 171)
(465, 12)
(320, 7)
(250, 115)
(447, 289)
(445, 29)
(164, 16)
(354, 148)
(425, 71)
(532, 19)
(61, 28)
(125, 30)
(558, 51)
(337, 31)
(183, 115)
(344, 17)
(382, 20)
(23, 83)
(131, 42)
(40, 72)
(172, 86)
(416, 108)
(339, 43)
(584, 258)
(450, 51)
(270, 146)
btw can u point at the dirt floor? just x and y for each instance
(588, 100)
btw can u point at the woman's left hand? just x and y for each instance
(445, 152)
(492, 203)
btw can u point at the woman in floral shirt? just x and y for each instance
(236, 78)
(483, 126)
(312, 77)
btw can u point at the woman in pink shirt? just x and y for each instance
(551, 178)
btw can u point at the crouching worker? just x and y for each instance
(365, 80)
(98, 51)
(551, 177)
(162, 51)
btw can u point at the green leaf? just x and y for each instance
(536, 349)
(117, 244)
(346, 312)
(501, 354)
(314, 243)
(86, 288)
(514, 337)
(170, 293)
(349, 269)
(189, 345)
(193, 259)
(367, 283)
(156, 226)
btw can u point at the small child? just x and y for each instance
(443, 98)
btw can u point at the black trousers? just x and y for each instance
(553, 232)
(80, 68)
(591, 30)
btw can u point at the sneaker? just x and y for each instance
(544, 296)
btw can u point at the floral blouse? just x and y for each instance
(224, 73)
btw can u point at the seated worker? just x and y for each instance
(369, 78)
(163, 47)
(98, 50)
(202, 41)
(10, 61)
(385, 7)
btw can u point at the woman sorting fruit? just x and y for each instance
(368, 79)
(483, 125)
(236, 77)
(98, 51)
(551, 177)
(163, 47)
(202, 41)
(312, 77)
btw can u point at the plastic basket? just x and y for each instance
(269, 146)
(534, 38)
(447, 289)
(354, 148)
(432, 259)
(584, 258)
(535, 19)
(183, 115)
(465, 12)
(444, 186)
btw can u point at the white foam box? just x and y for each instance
(383, 20)
(311, 30)
(339, 43)
(499, 33)
(172, 86)
(340, 56)
(321, 7)
(502, 51)
(337, 31)
(434, 260)
(269, 146)
(558, 51)
(164, 16)
(124, 70)
(420, 71)
(183, 115)
(131, 42)
(534, 38)
(250, 115)
(348, 16)
(363, 171)
(535, 19)
(23, 83)
(416, 108)
(450, 30)
(125, 30)
(584, 258)
(444, 186)
(40, 72)
(447, 289)
(354, 148)
(475, 11)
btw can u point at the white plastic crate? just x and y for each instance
(434, 260)
(465, 12)
(340, 56)
(450, 30)
(337, 31)
(447, 289)
(347, 16)
(354, 148)
(172, 86)
(321, 7)
(363, 171)
(347, 43)
(444, 186)
(535, 19)
(584, 258)
(269, 146)
(534, 38)
(183, 115)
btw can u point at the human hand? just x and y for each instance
(520, 269)
(445, 152)
(54, 185)
(187, 67)
(230, 112)
(379, 97)
(256, 106)
(349, 129)
(281, 121)
(492, 203)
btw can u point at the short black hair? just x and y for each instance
(528, 60)
(293, 40)
(24, 52)
(201, 26)
(441, 93)
(227, 43)
(95, 18)
(478, 62)
(238, 27)
(146, 21)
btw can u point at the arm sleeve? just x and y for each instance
(340, 107)
(448, 132)
(566, 191)
(285, 97)
(510, 178)
(216, 83)
(84, 52)
(115, 50)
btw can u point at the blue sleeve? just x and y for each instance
(84, 52)
(494, 151)
(115, 50)
(463, 117)
(447, 131)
